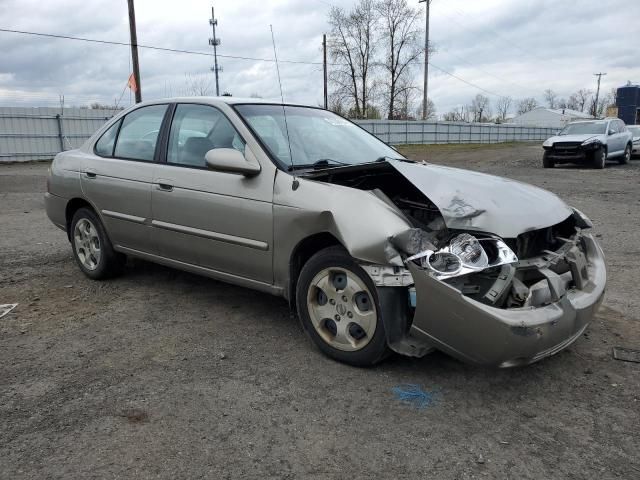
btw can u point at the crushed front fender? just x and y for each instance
(478, 333)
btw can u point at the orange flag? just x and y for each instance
(132, 83)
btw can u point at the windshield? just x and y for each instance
(593, 128)
(317, 137)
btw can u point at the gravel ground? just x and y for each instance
(163, 374)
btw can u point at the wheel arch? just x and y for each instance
(302, 252)
(72, 207)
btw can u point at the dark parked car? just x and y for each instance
(594, 142)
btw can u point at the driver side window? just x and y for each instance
(195, 130)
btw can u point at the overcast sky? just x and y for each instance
(507, 47)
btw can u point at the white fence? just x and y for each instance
(400, 132)
(40, 133)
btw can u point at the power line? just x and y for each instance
(235, 57)
(465, 81)
(152, 47)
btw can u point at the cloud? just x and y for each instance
(509, 48)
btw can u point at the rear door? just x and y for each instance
(217, 220)
(117, 178)
(624, 134)
(615, 140)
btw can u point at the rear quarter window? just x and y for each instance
(104, 146)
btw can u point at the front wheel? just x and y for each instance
(600, 158)
(339, 309)
(546, 161)
(624, 159)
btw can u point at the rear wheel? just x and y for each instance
(92, 248)
(338, 306)
(600, 158)
(624, 159)
(546, 161)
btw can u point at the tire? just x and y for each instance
(546, 161)
(92, 248)
(624, 159)
(338, 306)
(600, 158)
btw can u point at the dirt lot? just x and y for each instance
(162, 374)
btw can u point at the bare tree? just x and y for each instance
(503, 105)
(458, 114)
(526, 105)
(337, 103)
(551, 97)
(431, 109)
(406, 100)
(352, 44)
(479, 107)
(197, 85)
(580, 99)
(401, 36)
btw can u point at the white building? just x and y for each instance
(547, 117)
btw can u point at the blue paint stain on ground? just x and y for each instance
(414, 396)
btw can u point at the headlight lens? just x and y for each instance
(464, 254)
(468, 249)
(590, 141)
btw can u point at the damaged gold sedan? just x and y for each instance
(376, 253)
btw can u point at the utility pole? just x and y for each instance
(426, 60)
(134, 50)
(594, 110)
(324, 66)
(215, 41)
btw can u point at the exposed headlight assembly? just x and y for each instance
(465, 254)
(591, 142)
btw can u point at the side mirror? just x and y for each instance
(230, 160)
(611, 132)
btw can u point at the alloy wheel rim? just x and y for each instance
(87, 243)
(342, 309)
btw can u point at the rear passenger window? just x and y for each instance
(139, 133)
(104, 146)
(195, 130)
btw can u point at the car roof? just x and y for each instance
(219, 100)
(601, 120)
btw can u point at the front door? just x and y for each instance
(117, 178)
(217, 220)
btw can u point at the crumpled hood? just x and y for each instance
(470, 200)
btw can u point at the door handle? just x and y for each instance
(164, 186)
(90, 173)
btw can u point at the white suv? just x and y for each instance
(594, 141)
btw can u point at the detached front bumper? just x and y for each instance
(572, 153)
(477, 333)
